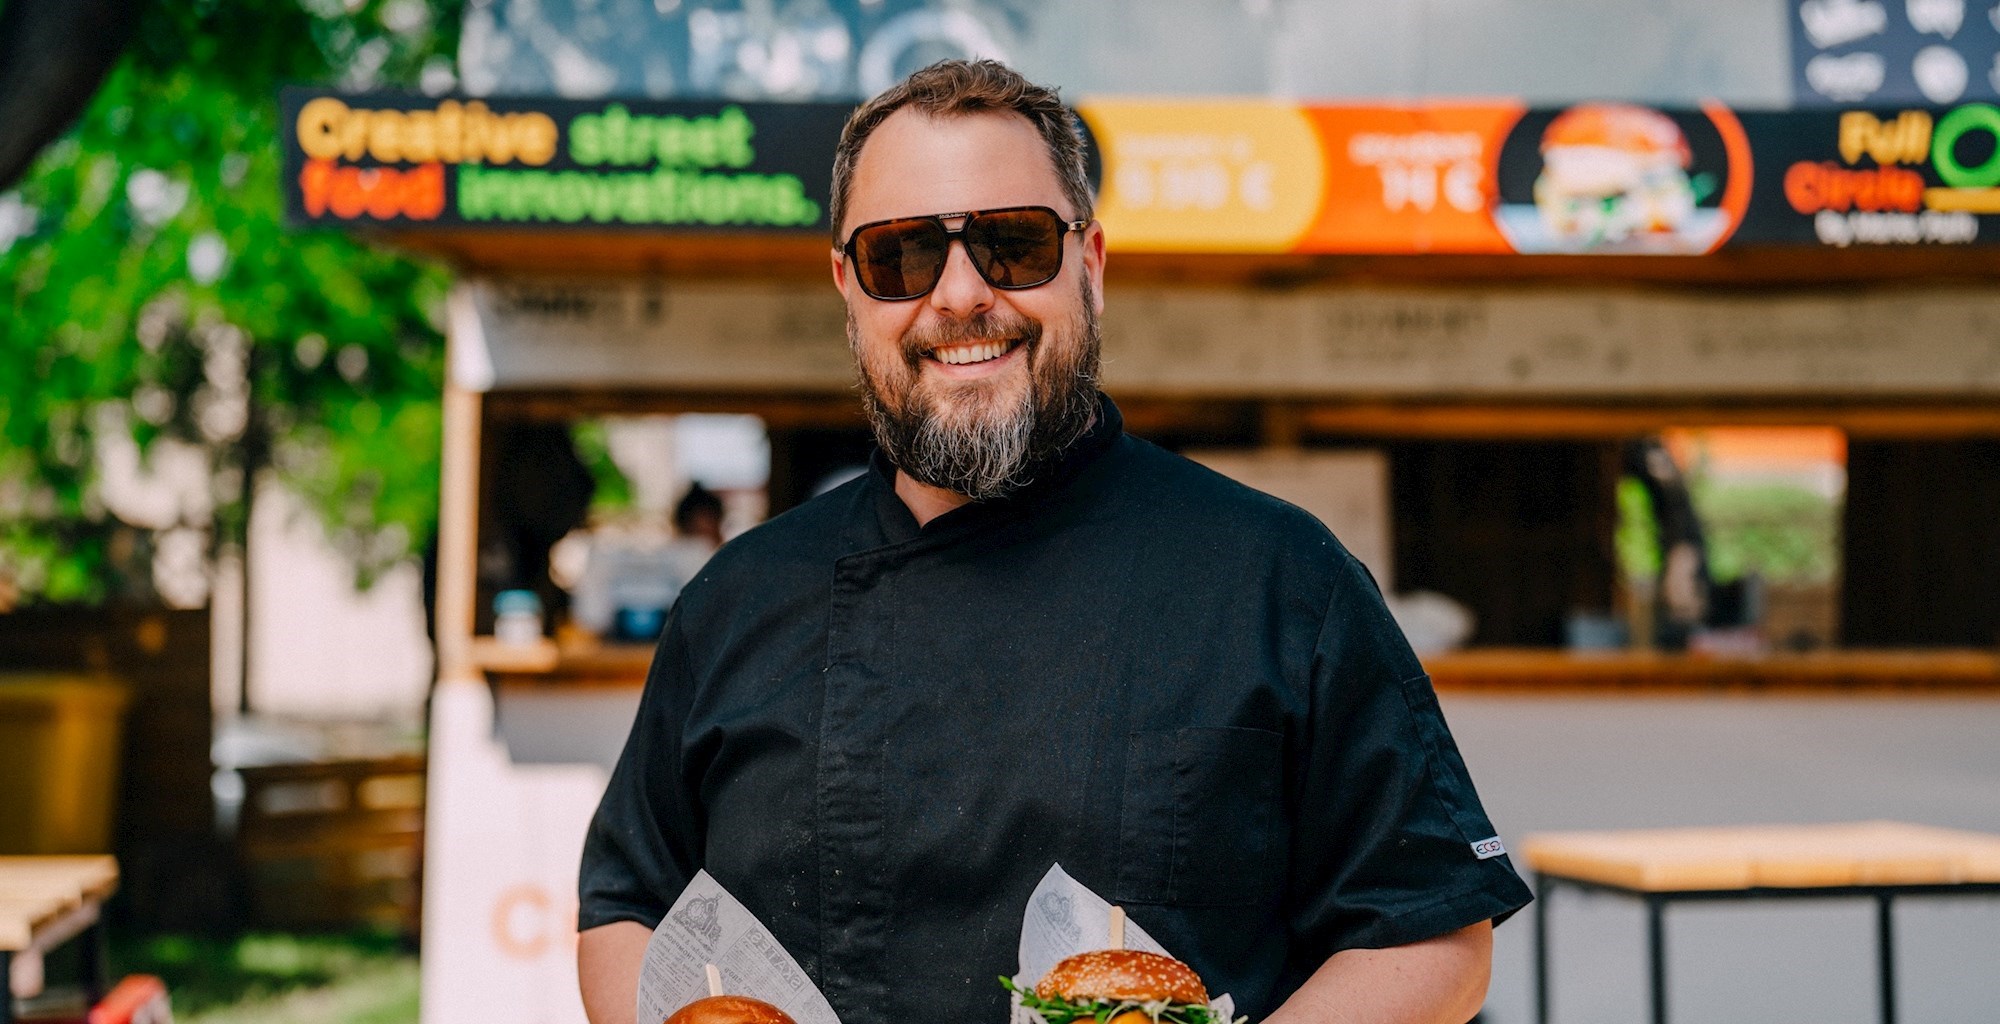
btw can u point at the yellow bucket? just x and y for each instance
(59, 745)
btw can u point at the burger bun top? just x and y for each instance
(1621, 127)
(1121, 974)
(729, 1010)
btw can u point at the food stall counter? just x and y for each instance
(569, 662)
(1506, 670)
(591, 663)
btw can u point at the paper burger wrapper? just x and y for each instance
(708, 926)
(1065, 918)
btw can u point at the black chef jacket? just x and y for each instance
(880, 736)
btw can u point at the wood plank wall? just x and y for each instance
(1519, 531)
(1921, 544)
(175, 869)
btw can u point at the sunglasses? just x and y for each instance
(1013, 248)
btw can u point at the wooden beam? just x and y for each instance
(779, 410)
(625, 254)
(1730, 269)
(1554, 419)
(1291, 421)
(458, 534)
(805, 258)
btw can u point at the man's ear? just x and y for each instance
(1093, 262)
(839, 271)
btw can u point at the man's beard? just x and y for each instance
(976, 445)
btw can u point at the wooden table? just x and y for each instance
(1879, 859)
(44, 902)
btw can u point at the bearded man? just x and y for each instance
(1025, 637)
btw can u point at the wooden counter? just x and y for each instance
(1485, 670)
(1517, 670)
(581, 663)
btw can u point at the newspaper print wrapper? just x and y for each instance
(708, 926)
(1065, 918)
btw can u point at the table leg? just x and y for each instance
(91, 946)
(1885, 951)
(6, 987)
(1542, 886)
(1656, 945)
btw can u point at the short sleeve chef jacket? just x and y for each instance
(880, 736)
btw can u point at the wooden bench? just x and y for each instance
(45, 902)
(334, 844)
(1877, 859)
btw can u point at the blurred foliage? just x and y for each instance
(273, 978)
(1784, 532)
(1638, 534)
(155, 291)
(613, 493)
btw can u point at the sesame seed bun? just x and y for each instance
(729, 1010)
(1118, 974)
(1618, 126)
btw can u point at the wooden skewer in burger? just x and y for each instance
(717, 1008)
(1119, 986)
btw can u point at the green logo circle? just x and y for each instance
(1971, 117)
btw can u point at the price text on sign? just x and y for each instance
(1221, 176)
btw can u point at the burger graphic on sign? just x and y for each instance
(1611, 171)
(1614, 177)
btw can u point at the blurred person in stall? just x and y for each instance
(541, 491)
(632, 574)
(1684, 587)
(697, 529)
(1024, 637)
(698, 517)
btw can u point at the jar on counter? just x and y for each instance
(517, 617)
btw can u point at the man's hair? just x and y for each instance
(952, 88)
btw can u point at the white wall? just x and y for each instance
(319, 648)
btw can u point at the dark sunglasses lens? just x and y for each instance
(900, 259)
(1016, 248)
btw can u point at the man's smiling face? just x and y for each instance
(969, 385)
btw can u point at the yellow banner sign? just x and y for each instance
(1217, 176)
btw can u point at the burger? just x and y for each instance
(1119, 986)
(729, 1010)
(1613, 172)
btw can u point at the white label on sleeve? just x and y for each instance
(1486, 849)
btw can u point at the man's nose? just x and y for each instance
(960, 290)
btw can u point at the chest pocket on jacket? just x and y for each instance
(1202, 819)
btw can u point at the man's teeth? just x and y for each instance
(958, 355)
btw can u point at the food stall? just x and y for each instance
(1464, 307)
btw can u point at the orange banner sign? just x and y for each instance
(1409, 179)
